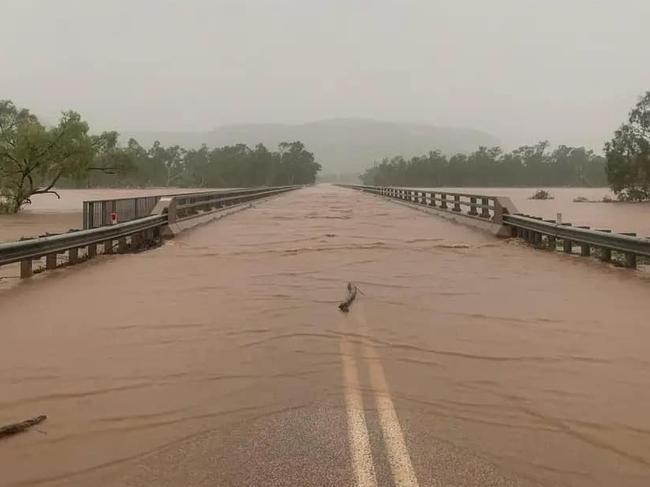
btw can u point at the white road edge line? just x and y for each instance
(398, 455)
(362, 463)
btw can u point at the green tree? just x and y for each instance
(33, 158)
(529, 165)
(628, 154)
(297, 164)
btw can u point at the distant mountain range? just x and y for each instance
(342, 146)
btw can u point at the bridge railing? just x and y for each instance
(97, 213)
(189, 205)
(490, 208)
(541, 233)
(549, 233)
(130, 235)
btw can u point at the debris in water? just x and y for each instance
(352, 293)
(15, 428)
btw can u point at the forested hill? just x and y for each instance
(340, 145)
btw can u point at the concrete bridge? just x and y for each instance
(220, 358)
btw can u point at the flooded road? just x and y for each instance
(221, 358)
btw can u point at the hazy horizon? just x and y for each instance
(521, 70)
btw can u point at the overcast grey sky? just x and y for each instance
(524, 70)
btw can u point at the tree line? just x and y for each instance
(532, 165)
(229, 166)
(37, 159)
(625, 166)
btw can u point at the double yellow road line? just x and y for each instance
(397, 453)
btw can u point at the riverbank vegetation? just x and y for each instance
(625, 167)
(527, 166)
(36, 159)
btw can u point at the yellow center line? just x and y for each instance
(362, 463)
(398, 455)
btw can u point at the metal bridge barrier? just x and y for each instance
(480, 211)
(97, 213)
(544, 234)
(170, 215)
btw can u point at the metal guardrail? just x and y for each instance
(547, 233)
(484, 207)
(97, 213)
(537, 231)
(25, 251)
(188, 205)
(128, 235)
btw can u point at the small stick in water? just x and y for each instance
(15, 428)
(352, 293)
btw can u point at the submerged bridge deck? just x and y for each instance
(220, 358)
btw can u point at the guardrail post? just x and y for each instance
(485, 211)
(136, 240)
(121, 245)
(585, 250)
(25, 268)
(606, 254)
(456, 203)
(552, 243)
(108, 246)
(443, 201)
(73, 256)
(630, 260)
(50, 261)
(567, 246)
(472, 208)
(92, 250)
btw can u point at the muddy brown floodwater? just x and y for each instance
(215, 359)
